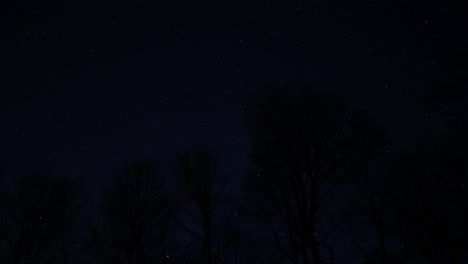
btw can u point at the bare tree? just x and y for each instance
(133, 226)
(431, 202)
(201, 186)
(37, 219)
(368, 211)
(302, 149)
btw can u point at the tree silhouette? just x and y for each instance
(197, 179)
(37, 219)
(134, 225)
(431, 202)
(368, 209)
(302, 149)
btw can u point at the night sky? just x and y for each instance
(89, 85)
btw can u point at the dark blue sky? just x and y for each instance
(89, 84)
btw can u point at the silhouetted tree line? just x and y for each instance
(325, 183)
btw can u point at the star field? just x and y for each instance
(89, 85)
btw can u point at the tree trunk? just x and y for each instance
(208, 239)
(383, 251)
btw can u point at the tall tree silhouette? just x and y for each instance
(197, 178)
(302, 149)
(368, 208)
(37, 219)
(432, 202)
(134, 225)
